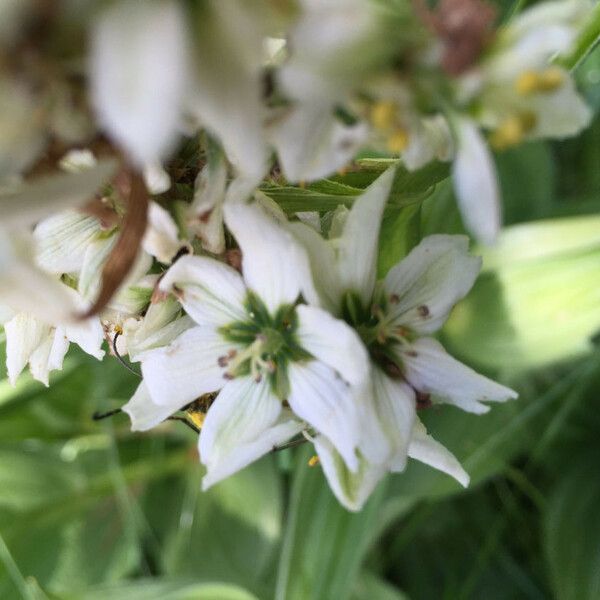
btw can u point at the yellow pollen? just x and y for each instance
(197, 418)
(383, 115)
(551, 79)
(313, 461)
(509, 133)
(531, 82)
(398, 141)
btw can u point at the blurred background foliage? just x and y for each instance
(91, 511)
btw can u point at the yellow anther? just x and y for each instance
(531, 82)
(302, 184)
(383, 115)
(509, 133)
(197, 418)
(118, 330)
(398, 141)
(551, 79)
(527, 83)
(313, 461)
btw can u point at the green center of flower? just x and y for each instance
(268, 344)
(382, 338)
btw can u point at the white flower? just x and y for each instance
(516, 91)
(43, 345)
(395, 318)
(139, 73)
(263, 351)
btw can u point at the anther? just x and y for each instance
(223, 361)
(423, 310)
(313, 461)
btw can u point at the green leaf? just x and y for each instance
(165, 590)
(572, 529)
(400, 233)
(230, 533)
(324, 545)
(371, 587)
(409, 187)
(585, 42)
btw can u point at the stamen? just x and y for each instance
(383, 115)
(398, 141)
(313, 461)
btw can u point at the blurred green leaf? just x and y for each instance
(230, 533)
(372, 587)
(165, 590)
(324, 545)
(572, 529)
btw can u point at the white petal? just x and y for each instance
(430, 369)
(61, 241)
(49, 356)
(357, 248)
(351, 489)
(476, 183)
(143, 412)
(24, 287)
(427, 450)
(274, 264)
(161, 239)
(333, 342)
(394, 403)
(241, 426)
(24, 334)
(210, 291)
(311, 143)
(90, 276)
(157, 180)
(321, 255)
(227, 96)
(206, 212)
(560, 114)
(88, 335)
(185, 369)
(320, 397)
(138, 83)
(30, 202)
(425, 286)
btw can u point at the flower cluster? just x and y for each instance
(135, 140)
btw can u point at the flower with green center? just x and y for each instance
(281, 365)
(395, 318)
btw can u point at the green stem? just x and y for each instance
(13, 570)
(586, 41)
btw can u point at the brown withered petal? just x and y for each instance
(126, 249)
